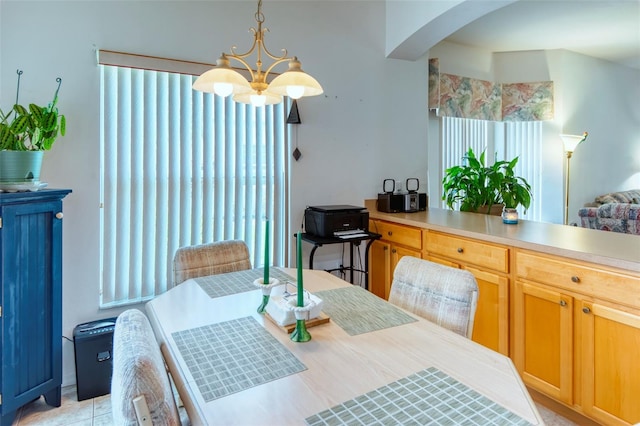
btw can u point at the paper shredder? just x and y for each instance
(93, 345)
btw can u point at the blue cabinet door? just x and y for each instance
(31, 316)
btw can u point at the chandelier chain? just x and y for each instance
(259, 15)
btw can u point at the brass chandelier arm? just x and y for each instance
(258, 77)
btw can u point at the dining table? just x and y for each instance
(368, 362)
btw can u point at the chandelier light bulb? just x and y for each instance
(258, 100)
(295, 92)
(223, 89)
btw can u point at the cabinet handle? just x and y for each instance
(393, 251)
(586, 310)
(575, 279)
(59, 215)
(385, 248)
(389, 233)
(460, 249)
(563, 303)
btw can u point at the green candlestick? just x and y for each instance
(300, 334)
(266, 252)
(299, 261)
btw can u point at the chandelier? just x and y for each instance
(224, 80)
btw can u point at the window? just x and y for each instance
(179, 167)
(502, 141)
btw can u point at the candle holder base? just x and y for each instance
(300, 334)
(266, 292)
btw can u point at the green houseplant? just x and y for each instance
(478, 187)
(24, 134)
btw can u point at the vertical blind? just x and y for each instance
(524, 140)
(180, 167)
(458, 135)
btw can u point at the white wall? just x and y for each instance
(590, 95)
(370, 123)
(415, 26)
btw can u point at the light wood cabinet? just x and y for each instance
(610, 370)
(577, 335)
(491, 327)
(467, 251)
(397, 241)
(489, 264)
(543, 347)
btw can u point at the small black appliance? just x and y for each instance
(413, 200)
(388, 200)
(324, 221)
(93, 342)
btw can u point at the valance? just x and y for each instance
(464, 97)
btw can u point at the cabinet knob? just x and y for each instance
(59, 215)
(586, 310)
(575, 279)
(460, 249)
(563, 303)
(393, 251)
(389, 233)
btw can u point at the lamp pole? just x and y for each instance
(566, 189)
(570, 142)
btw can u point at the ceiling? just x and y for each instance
(605, 29)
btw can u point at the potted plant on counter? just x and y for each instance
(485, 189)
(25, 133)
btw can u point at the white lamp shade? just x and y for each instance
(295, 83)
(222, 82)
(571, 141)
(258, 100)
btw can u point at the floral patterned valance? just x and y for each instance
(464, 97)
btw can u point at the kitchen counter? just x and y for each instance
(605, 248)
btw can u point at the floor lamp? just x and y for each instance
(570, 144)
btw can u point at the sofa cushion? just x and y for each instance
(631, 196)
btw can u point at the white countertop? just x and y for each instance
(606, 248)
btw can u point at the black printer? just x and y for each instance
(325, 221)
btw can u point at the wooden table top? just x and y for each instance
(336, 366)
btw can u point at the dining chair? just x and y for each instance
(141, 392)
(210, 259)
(441, 294)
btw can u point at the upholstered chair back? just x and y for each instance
(141, 392)
(210, 259)
(444, 295)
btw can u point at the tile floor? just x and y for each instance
(97, 412)
(90, 412)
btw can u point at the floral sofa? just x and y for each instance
(616, 211)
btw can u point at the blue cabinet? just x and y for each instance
(31, 299)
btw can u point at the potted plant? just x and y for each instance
(481, 188)
(25, 133)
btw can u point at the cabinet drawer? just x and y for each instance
(582, 278)
(468, 251)
(399, 234)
